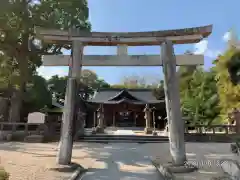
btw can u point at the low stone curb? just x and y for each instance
(231, 168)
(167, 170)
(74, 171)
(78, 173)
(164, 171)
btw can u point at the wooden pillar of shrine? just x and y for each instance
(94, 119)
(236, 116)
(94, 122)
(114, 119)
(100, 118)
(147, 110)
(135, 118)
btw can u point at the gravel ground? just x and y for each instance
(28, 161)
(33, 161)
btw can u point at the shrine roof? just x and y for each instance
(131, 96)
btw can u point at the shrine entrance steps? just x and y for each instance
(122, 139)
(122, 135)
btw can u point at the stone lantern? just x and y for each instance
(147, 117)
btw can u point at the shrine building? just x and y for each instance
(127, 108)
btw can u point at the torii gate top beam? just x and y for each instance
(177, 36)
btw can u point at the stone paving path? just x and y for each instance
(121, 162)
(206, 156)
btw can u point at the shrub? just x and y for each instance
(3, 174)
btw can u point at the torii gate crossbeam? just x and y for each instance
(177, 36)
(121, 60)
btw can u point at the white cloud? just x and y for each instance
(202, 48)
(226, 36)
(48, 72)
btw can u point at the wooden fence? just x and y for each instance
(213, 129)
(199, 133)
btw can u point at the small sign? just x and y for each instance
(36, 117)
(122, 50)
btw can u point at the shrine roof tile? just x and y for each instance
(134, 96)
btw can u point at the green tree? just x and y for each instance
(8, 75)
(159, 91)
(185, 73)
(134, 82)
(227, 69)
(89, 84)
(38, 94)
(199, 96)
(57, 86)
(17, 37)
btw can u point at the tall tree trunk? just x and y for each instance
(16, 104)
(4, 105)
(18, 94)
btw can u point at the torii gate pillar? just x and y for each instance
(67, 129)
(173, 107)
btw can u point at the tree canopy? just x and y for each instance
(17, 36)
(90, 82)
(227, 81)
(38, 94)
(199, 96)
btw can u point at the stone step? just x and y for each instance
(132, 140)
(119, 141)
(123, 138)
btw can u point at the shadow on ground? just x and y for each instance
(123, 157)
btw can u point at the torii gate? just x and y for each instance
(168, 60)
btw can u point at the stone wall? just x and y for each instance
(19, 131)
(12, 136)
(197, 137)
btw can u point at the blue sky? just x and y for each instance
(150, 15)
